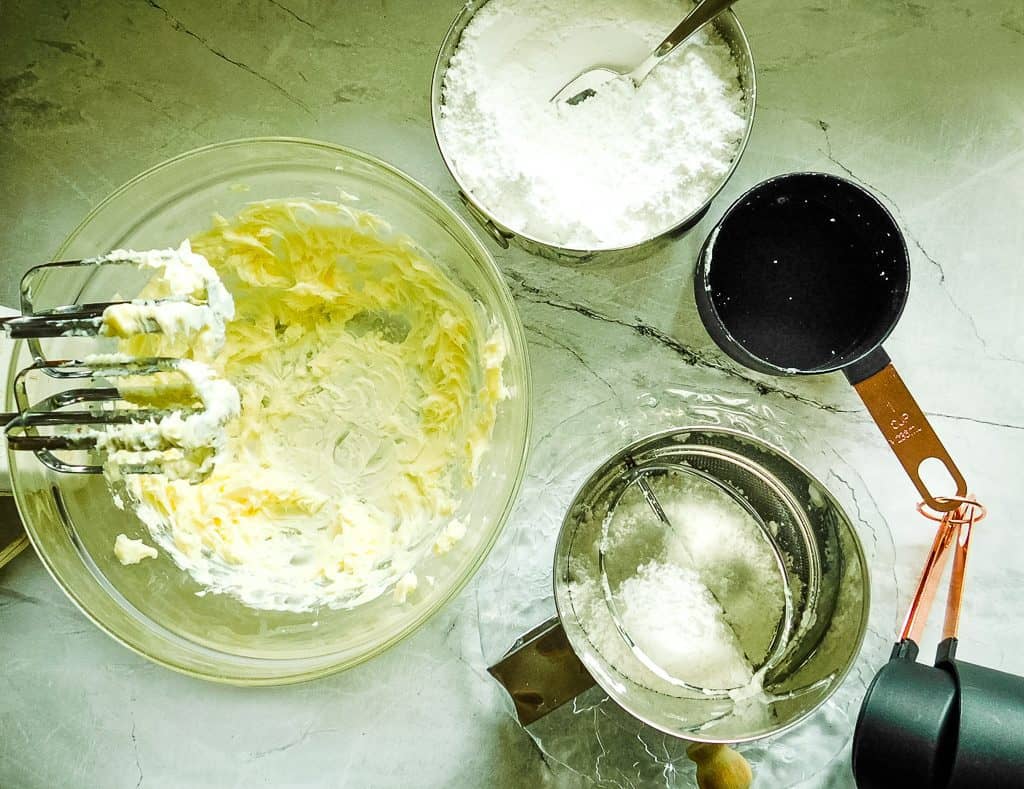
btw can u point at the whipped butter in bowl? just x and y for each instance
(369, 385)
(381, 435)
(619, 171)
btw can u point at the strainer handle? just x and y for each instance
(541, 672)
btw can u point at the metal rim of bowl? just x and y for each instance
(516, 327)
(577, 636)
(503, 235)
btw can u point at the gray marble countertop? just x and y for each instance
(921, 102)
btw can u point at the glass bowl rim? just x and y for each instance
(480, 256)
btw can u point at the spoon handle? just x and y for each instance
(703, 13)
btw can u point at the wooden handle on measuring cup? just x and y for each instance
(719, 766)
(904, 425)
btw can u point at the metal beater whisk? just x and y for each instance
(79, 419)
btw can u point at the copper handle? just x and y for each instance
(950, 626)
(928, 584)
(908, 432)
(952, 537)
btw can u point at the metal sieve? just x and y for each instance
(653, 536)
(726, 25)
(820, 557)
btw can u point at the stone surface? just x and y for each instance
(922, 102)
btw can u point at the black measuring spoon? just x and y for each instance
(808, 273)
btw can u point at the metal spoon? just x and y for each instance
(584, 85)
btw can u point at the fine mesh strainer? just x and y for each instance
(642, 536)
(804, 648)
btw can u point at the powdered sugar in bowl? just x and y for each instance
(615, 175)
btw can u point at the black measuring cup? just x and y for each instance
(808, 273)
(953, 725)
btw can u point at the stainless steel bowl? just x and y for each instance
(823, 566)
(727, 26)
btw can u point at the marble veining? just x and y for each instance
(919, 102)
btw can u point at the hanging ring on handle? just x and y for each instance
(964, 501)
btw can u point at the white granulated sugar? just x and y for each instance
(614, 170)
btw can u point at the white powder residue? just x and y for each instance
(614, 170)
(715, 536)
(679, 625)
(702, 600)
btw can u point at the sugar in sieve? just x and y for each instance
(802, 655)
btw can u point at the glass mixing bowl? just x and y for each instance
(153, 607)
